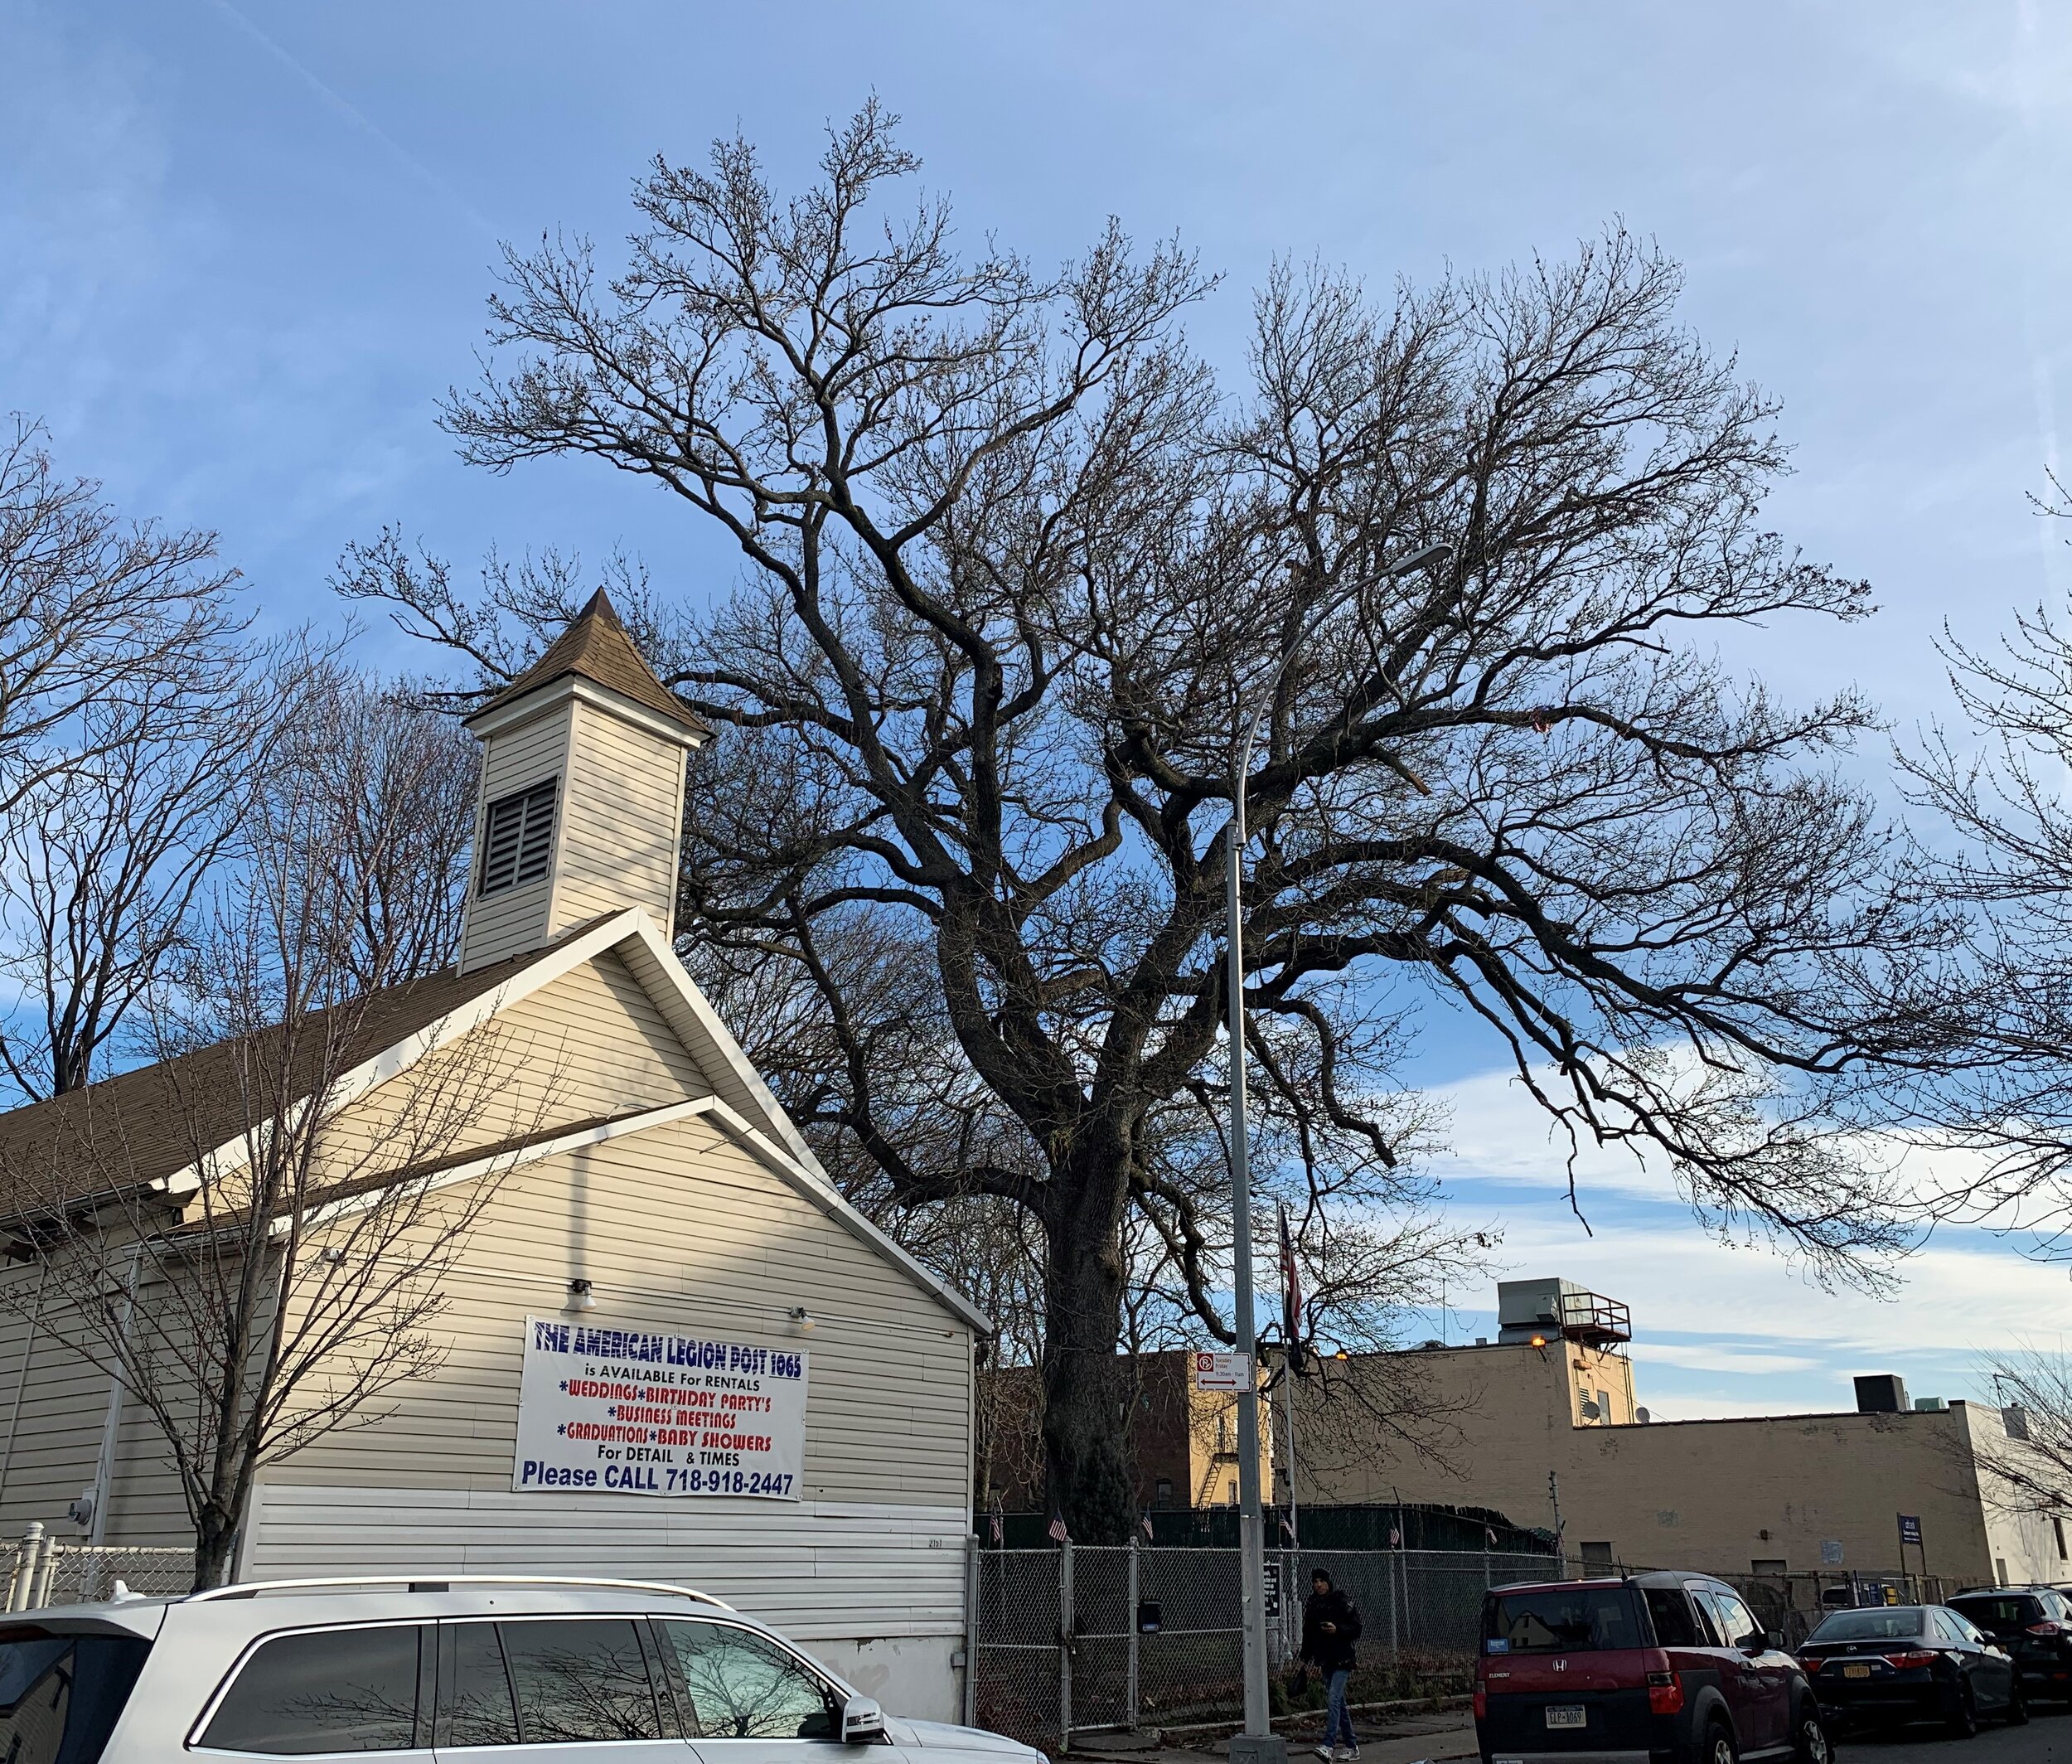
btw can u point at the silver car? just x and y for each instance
(485, 1669)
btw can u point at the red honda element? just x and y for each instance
(1656, 1669)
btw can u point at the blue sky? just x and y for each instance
(243, 248)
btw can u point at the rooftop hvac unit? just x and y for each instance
(1880, 1393)
(1929, 1405)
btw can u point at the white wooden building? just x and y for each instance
(665, 1177)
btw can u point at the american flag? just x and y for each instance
(1058, 1532)
(999, 1535)
(1290, 1292)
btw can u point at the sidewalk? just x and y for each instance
(1393, 1739)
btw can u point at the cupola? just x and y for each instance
(581, 807)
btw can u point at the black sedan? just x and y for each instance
(2033, 1623)
(1897, 1663)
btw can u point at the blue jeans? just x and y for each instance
(1338, 1723)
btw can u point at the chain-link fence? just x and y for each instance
(45, 1571)
(1078, 1638)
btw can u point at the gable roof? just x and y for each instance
(172, 1120)
(595, 648)
(147, 1126)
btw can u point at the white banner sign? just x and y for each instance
(609, 1407)
(1221, 1371)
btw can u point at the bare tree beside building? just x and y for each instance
(1016, 563)
(253, 1259)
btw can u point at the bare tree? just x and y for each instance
(394, 788)
(108, 854)
(2022, 1457)
(94, 611)
(1995, 785)
(1014, 564)
(255, 1262)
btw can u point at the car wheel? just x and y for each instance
(1962, 1722)
(2017, 1708)
(1719, 1745)
(1810, 1741)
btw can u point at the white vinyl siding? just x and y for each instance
(832, 1569)
(514, 919)
(621, 821)
(677, 1226)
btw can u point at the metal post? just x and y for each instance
(1251, 1597)
(1130, 1706)
(47, 1569)
(20, 1583)
(1398, 1558)
(1257, 1744)
(1065, 1616)
(971, 1567)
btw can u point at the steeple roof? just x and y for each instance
(595, 648)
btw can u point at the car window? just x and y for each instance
(733, 1684)
(1562, 1619)
(1675, 1625)
(323, 1690)
(1725, 1632)
(1999, 1617)
(1742, 1630)
(1972, 1633)
(60, 1694)
(579, 1679)
(1943, 1624)
(475, 1702)
(1883, 1623)
(1708, 1623)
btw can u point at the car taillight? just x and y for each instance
(1665, 1693)
(1815, 1665)
(1912, 1658)
(1482, 1703)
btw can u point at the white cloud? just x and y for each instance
(1726, 1357)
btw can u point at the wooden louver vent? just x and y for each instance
(518, 837)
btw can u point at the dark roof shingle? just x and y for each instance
(596, 647)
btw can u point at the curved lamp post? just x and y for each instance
(1258, 1742)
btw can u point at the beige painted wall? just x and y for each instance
(1717, 1496)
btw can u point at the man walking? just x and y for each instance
(1330, 1625)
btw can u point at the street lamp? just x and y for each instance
(1258, 1743)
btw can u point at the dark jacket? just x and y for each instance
(1332, 1652)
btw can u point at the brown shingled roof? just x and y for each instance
(142, 1126)
(596, 647)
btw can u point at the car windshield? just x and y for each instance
(1562, 1619)
(1902, 1623)
(2000, 1616)
(60, 1694)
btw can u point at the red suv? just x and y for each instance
(1655, 1669)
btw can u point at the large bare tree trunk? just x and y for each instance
(1085, 1446)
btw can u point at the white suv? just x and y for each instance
(489, 1670)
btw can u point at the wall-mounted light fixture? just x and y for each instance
(580, 1296)
(802, 1318)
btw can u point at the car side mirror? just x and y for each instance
(1774, 1638)
(862, 1721)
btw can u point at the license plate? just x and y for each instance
(1856, 1672)
(1569, 1716)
